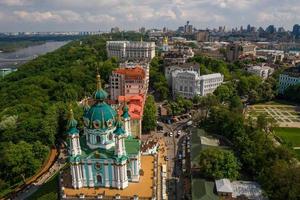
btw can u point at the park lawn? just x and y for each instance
(289, 135)
(48, 191)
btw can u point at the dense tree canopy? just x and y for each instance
(218, 164)
(149, 118)
(34, 100)
(292, 93)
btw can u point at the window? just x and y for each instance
(99, 179)
(98, 139)
(128, 174)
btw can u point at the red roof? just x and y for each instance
(135, 105)
(131, 73)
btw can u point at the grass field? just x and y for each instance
(289, 135)
(48, 191)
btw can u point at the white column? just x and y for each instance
(91, 178)
(80, 181)
(106, 176)
(77, 176)
(73, 174)
(84, 175)
(119, 177)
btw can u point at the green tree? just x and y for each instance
(149, 117)
(19, 161)
(281, 181)
(224, 92)
(217, 164)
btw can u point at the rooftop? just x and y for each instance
(131, 73)
(223, 185)
(135, 105)
(209, 76)
(203, 190)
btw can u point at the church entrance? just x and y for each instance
(99, 179)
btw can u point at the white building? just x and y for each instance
(130, 50)
(290, 77)
(262, 71)
(183, 67)
(209, 83)
(185, 83)
(189, 83)
(239, 189)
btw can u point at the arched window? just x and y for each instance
(99, 179)
(110, 137)
(98, 139)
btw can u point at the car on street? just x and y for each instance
(171, 134)
(166, 158)
(179, 132)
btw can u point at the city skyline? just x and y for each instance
(78, 15)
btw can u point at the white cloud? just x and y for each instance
(15, 2)
(131, 14)
(63, 16)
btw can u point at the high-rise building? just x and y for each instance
(296, 30)
(142, 30)
(188, 28)
(128, 50)
(115, 30)
(202, 36)
(271, 29)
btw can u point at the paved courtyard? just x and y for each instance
(284, 115)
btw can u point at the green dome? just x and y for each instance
(119, 130)
(100, 115)
(100, 95)
(125, 114)
(72, 124)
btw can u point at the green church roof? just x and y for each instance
(119, 130)
(125, 114)
(132, 146)
(101, 113)
(100, 94)
(72, 124)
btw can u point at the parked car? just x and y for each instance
(166, 158)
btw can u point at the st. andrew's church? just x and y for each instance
(106, 155)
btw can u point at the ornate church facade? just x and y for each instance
(106, 155)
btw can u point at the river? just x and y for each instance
(14, 59)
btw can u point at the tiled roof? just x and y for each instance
(135, 104)
(131, 73)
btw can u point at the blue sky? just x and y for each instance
(79, 15)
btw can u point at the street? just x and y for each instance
(174, 156)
